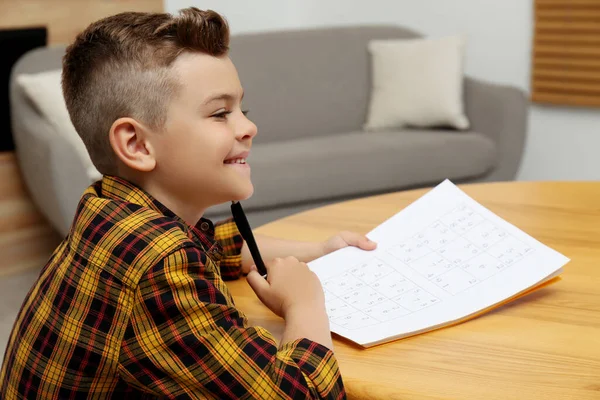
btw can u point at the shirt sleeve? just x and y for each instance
(228, 236)
(186, 340)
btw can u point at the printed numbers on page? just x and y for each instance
(338, 308)
(482, 266)
(485, 235)
(393, 285)
(459, 251)
(371, 270)
(409, 250)
(455, 281)
(363, 298)
(343, 284)
(416, 299)
(462, 219)
(510, 250)
(431, 265)
(387, 311)
(435, 236)
(355, 320)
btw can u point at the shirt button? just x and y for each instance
(204, 226)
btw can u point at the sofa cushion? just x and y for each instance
(44, 90)
(417, 83)
(359, 163)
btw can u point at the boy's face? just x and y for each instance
(206, 138)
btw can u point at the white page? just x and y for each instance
(441, 259)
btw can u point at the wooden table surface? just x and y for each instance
(543, 346)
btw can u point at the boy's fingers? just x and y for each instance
(258, 284)
(357, 240)
(368, 244)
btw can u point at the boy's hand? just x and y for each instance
(345, 239)
(290, 287)
(294, 292)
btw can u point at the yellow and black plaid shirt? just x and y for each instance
(132, 305)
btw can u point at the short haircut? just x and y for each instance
(120, 66)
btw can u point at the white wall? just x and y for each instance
(563, 143)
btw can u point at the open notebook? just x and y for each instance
(442, 260)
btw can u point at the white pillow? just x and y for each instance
(417, 82)
(44, 90)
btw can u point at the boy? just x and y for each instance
(132, 304)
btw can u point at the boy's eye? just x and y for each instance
(221, 115)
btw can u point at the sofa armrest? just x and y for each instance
(71, 178)
(51, 168)
(33, 156)
(499, 112)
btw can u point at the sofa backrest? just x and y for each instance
(298, 83)
(308, 82)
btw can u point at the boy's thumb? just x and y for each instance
(258, 284)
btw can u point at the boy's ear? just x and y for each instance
(129, 140)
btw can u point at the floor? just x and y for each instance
(26, 242)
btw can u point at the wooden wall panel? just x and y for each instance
(566, 52)
(26, 238)
(66, 18)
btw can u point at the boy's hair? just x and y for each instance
(120, 66)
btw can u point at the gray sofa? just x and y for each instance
(308, 92)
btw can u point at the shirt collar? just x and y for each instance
(119, 189)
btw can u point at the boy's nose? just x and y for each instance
(248, 129)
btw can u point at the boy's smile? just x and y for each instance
(239, 161)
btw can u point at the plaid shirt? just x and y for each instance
(132, 305)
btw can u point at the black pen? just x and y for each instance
(244, 227)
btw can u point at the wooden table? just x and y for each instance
(543, 346)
